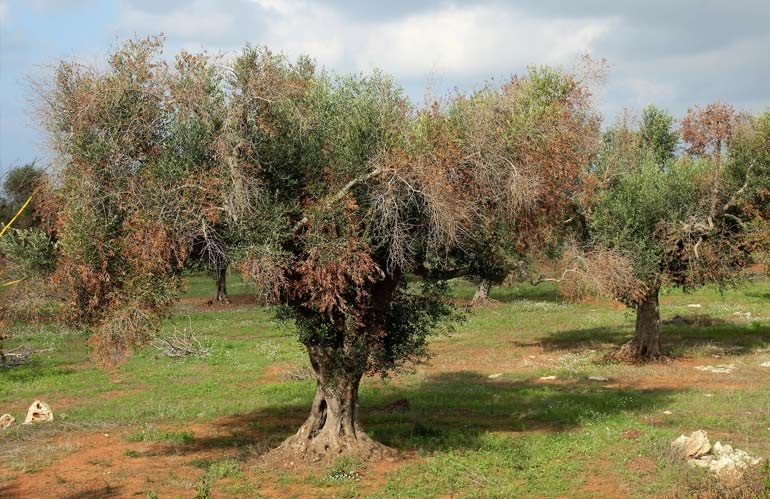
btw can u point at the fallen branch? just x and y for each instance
(19, 355)
(181, 346)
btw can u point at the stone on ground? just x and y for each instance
(6, 420)
(723, 461)
(694, 446)
(38, 412)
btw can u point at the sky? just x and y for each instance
(673, 53)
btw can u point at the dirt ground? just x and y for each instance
(96, 464)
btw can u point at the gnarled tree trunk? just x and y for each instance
(333, 428)
(221, 284)
(481, 296)
(645, 345)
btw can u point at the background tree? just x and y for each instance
(748, 176)
(658, 134)
(18, 185)
(553, 130)
(669, 220)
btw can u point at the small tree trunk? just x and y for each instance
(645, 345)
(332, 429)
(221, 284)
(481, 296)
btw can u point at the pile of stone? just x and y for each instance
(38, 412)
(724, 461)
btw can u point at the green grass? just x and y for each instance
(468, 435)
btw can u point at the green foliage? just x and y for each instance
(18, 185)
(658, 134)
(28, 253)
(633, 214)
(673, 219)
(150, 434)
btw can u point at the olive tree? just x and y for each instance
(672, 219)
(748, 176)
(344, 189)
(332, 189)
(553, 130)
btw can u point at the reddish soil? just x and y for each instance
(601, 482)
(106, 465)
(99, 468)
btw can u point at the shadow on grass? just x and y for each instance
(101, 493)
(11, 491)
(687, 333)
(32, 370)
(447, 411)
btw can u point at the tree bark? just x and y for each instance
(645, 345)
(481, 296)
(221, 284)
(333, 428)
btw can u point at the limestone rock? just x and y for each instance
(698, 444)
(38, 412)
(6, 420)
(694, 446)
(723, 461)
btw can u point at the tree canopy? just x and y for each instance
(329, 190)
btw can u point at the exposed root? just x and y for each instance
(631, 353)
(327, 448)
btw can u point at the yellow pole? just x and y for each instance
(11, 283)
(8, 225)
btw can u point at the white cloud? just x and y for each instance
(198, 20)
(476, 41)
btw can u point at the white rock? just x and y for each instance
(697, 445)
(703, 462)
(717, 369)
(694, 305)
(765, 364)
(546, 378)
(722, 465)
(38, 412)
(694, 446)
(724, 461)
(668, 413)
(493, 376)
(597, 378)
(6, 420)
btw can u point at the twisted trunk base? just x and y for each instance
(481, 296)
(645, 345)
(332, 429)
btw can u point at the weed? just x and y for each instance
(345, 468)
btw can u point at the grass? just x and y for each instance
(463, 433)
